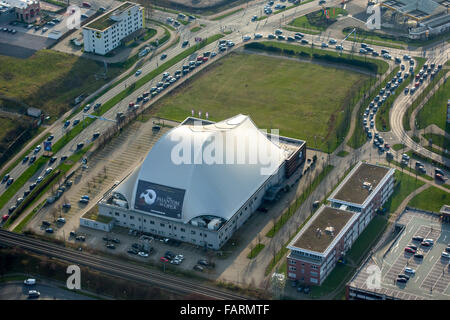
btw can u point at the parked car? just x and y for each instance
(198, 268)
(33, 294)
(29, 282)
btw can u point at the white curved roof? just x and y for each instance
(217, 188)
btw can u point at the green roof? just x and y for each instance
(93, 215)
(103, 22)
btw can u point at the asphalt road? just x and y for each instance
(16, 290)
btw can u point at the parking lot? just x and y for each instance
(430, 275)
(22, 40)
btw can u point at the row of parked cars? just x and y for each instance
(414, 249)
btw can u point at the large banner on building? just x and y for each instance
(158, 199)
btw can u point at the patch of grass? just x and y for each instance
(51, 80)
(273, 100)
(404, 185)
(255, 251)
(227, 14)
(434, 111)
(419, 100)
(431, 199)
(398, 146)
(340, 274)
(317, 20)
(195, 29)
(438, 140)
(391, 40)
(342, 153)
(296, 29)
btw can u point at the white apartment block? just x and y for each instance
(106, 32)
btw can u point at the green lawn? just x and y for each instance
(418, 100)
(404, 185)
(434, 111)
(438, 140)
(254, 252)
(342, 153)
(317, 20)
(51, 80)
(302, 100)
(398, 146)
(431, 199)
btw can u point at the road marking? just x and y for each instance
(418, 277)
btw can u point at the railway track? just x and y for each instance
(117, 268)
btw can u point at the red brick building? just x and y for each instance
(333, 229)
(26, 10)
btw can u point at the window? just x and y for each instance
(124, 215)
(116, 214)
(131, 218)
(314, 267)
(292, 261)
(182, 230)
(192, 232)
(313, 273)
(152, 222)
(292, 268)
(313, 280)
(162, 224)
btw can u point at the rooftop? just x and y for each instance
(418, 9)
(104, 21)
(93, 215)
(315, 237)
(359, 184)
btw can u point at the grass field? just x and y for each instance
(434, 110)
(404, 185)
(50, 80)
(398, 146)
(317, 20)
(302, 100)
(431, 199)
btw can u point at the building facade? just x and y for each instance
(333, 229)
(106, 32)
(200, 203)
